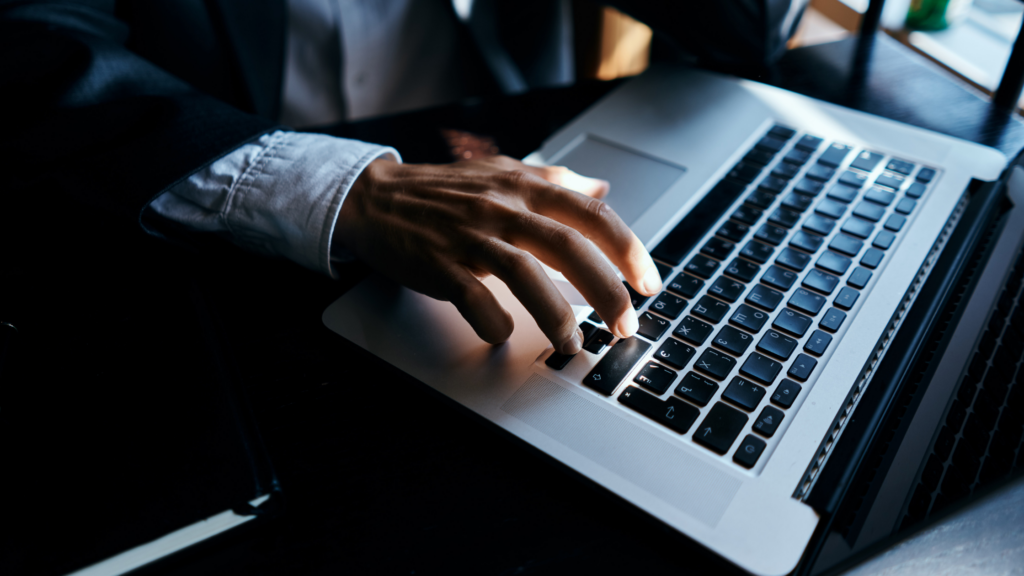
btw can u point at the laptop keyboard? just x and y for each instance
(761, 276)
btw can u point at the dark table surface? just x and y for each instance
(381, 475)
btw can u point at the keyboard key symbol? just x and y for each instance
(749, 448)
(707, 431)
(597, 377)
(670, 413)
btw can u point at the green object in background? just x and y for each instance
(936, 14)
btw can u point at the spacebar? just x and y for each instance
(617, 362)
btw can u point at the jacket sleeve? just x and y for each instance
(93, 125)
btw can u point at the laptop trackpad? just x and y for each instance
(637, 180)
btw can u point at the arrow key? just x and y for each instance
(720, 428)
(674, 413)
(768, 422)
(749, 451)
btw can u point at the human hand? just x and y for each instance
(438, 229)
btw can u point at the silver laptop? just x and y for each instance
(793, 236)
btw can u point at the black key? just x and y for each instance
(834, 263)
(674, 413)
(770, 144)
(806, 242)
(834, 155)
(746, 172)
(792, 259)
(831, 208)
(808, 187)
(797, 202)
(732, 340)
(778, 278)
(697, 388)
(761, 368)
(806, 301)
(750, 318)
(782, 132)
(733, 230)
(777, 344)
(890, 181)
(866, 161)
(635, 298)
(842, 193)
(686, 285)
(588, 329)
(749, 451)
(802, 367)
(916, 190)
(819, 224)
(720, 428)
(611, 369)
(785, 218)
(906, 206)
(597, 341)
(746, 395)
(668, 305)
(771, 234)
(652, 327)
(726, 289)
(786, 392)
(880, 196)
(675, 353)
(655, 377)
(710, 309)
(859, 277)
(702, 266)
(692, 330)
(869, 211)
(809, 143)
(820, 281)
(785, 170)
(872, 258)
(768, 422)
(595, 318)
(742, 270)
(900, 166)
(685, 236)
(760, 199)
(797, 157)
(925, 175)
(718, 248)
(764, 297)
(846, 245)
(757, 252)
(715, 364)
(832, 319)
(820, 172)
(772, 184)
(883, 240)
(847, 298)
(857, 227)
(664, 271)
(853, 179)
(747, 214)
(557, 360)
(895, 222)
(793, 322)
(761, 157)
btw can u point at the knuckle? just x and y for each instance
(565, 239)
(598, 211)
(515, 179)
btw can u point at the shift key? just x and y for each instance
(616, 364)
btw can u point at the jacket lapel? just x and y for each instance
(256, 30)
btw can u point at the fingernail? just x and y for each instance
(574, 344)
(627, 326)
(651, 283)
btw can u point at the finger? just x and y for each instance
(598, 222)
(528, 282)
(566, 178)
(569, 252)
(477, 304)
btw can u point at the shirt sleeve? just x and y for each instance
(279, 195)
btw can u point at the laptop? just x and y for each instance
(809, 254)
